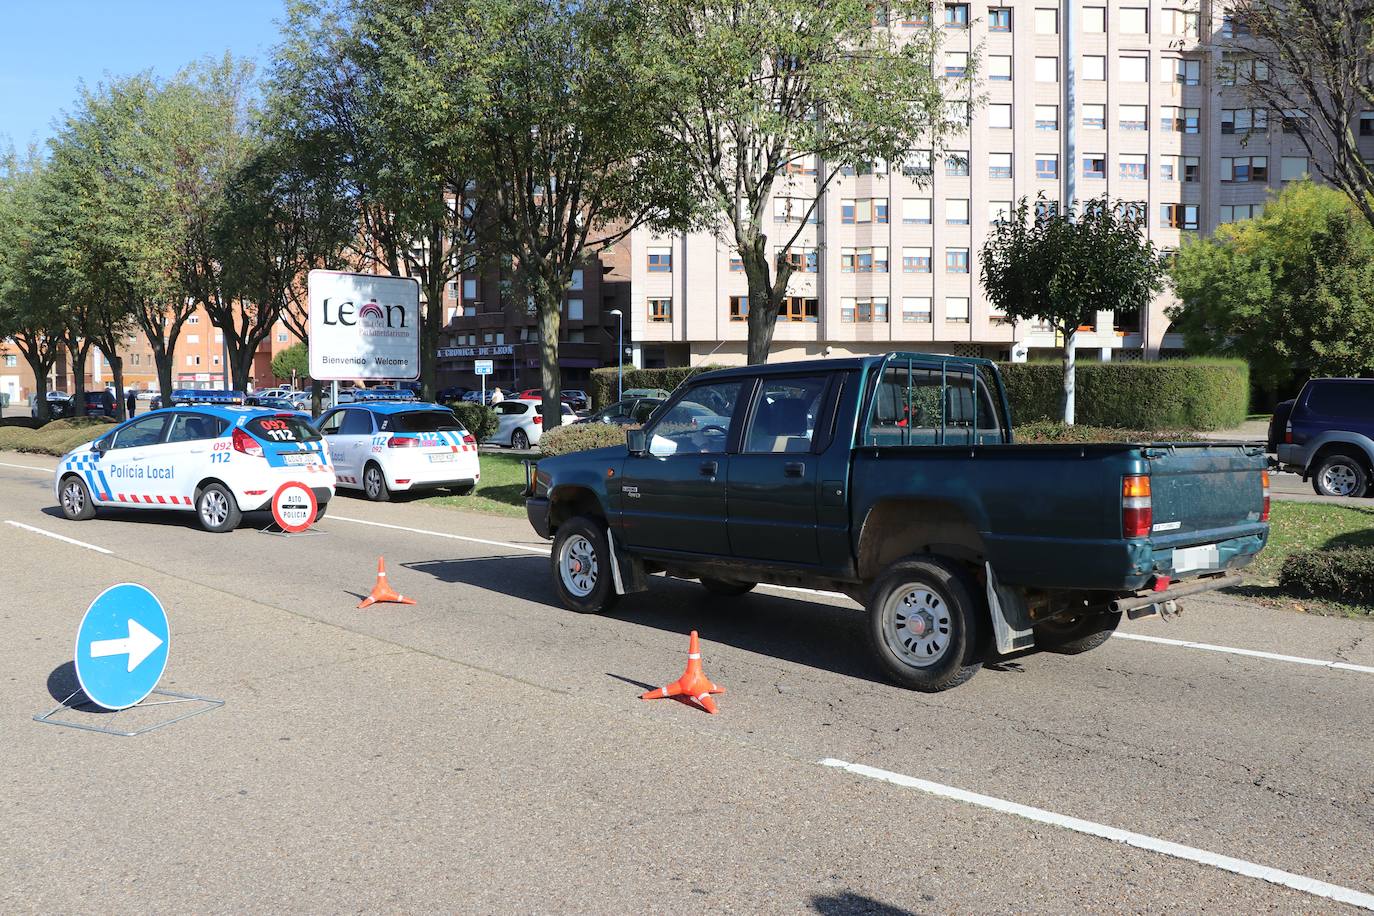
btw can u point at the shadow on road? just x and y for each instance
(62, 683)
(848, 903)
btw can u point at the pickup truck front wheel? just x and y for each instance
(923, 624)
(582, 566)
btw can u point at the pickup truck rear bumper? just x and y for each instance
(1181, 590)
(537, 511)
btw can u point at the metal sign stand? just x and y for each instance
(273, 530)
(47, 717)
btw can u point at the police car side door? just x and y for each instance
(134, 462)
(195, 443)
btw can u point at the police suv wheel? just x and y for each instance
(76, 499)
(374, 484)
(1341, 475)
(924, 625)
(217, 509)
(582, 566)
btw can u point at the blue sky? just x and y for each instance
(48, 46)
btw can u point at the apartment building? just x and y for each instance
(1130, 99)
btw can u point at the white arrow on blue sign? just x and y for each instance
(121, 647)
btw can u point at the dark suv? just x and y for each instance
(1326, 434)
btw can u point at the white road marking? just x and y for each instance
(1116, 835)
(444, 534)
(59, 537)
(1251, 653)
(26, 467)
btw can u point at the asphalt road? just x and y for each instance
(485, 750)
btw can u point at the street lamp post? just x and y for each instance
(619, 354)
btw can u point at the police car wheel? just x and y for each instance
(76, 499)
(217, 509)
(319, 513)
(374, 484)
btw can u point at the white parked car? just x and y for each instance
(519, 423)
(386, 446)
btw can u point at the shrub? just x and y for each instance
(56, 438)
(25, 422)
(1169, 394)
(1344, 574)
(479, 420)
(1048, 431)
(603, 385)
(580, 437)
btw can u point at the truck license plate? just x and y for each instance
(1204, 557)
(296, 460)
(446, 456)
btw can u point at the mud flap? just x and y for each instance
(1011, 625)
(627, 570)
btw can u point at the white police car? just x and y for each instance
(382, 447)
(216, 461)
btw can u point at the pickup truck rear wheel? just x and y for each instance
(924, 625)
(726, 589)
(582, 566)
(1078, 634)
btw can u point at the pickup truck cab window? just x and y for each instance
(786, 411)
(698, 423)
(934, 405)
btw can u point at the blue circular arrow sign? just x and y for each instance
(121, 647)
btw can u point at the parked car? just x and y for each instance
(57, 404)
(476, 397)
(537, 394)
(629, 412)
(98, 404)
(519, 423)
(895, 480)
(1326, 434)
(645, 393)
(451, 394)
(578, 398)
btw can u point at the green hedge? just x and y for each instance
(55, 438)
(580, 437)
(476, 419)
(1051, 432)
(1169, 394)
(604, 380)
(1344, 574)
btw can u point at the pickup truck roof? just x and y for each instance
(829, 365)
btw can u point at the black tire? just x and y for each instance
(1078, 634)
(519, 439)
(217, 509)
(319, 513)
(578, 541)
(75, 499)
(1341, 475)
(726, 589)
(952, 648)
(374, 483)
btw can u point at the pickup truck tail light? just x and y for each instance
(1137, 516)
(402, 442)
(246, 444)
(1264, 479)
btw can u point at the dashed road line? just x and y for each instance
(443, 534)
(59, 537)
(1250, 653)
(26, 467)
(1139, 840)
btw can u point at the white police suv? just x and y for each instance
(381, 447)
(216, 461)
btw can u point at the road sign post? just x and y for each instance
(483, 368)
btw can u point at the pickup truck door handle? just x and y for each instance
(709, 468)
(794, 469)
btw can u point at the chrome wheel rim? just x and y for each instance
(374, 482)
(1339, 480)
(577, 565)
(214, 508)
(916, 625)
(73, 498)
(520, 440)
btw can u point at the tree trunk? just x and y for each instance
(431, 325)
(765, 299)
(117, 374)
(549, 319)
(163, 361)
(1070, 358)
(40, 384)
(78, 362)
(316, 397)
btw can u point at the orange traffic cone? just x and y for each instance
(382, 592)
(693, 684)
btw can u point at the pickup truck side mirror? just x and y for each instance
(636, 441)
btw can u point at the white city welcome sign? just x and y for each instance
(363, 326)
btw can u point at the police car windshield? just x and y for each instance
(282, 429)
(420, 421)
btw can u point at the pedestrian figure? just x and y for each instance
(496, 396)
(131, 401)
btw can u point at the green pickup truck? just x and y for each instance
(895, 480)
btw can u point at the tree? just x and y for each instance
(1311, 62)
(1062, 267)
(292, 363)
(759, 96)
(1292, 289)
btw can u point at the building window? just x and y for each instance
(999, 19)
(793, 209)
(999, 165)
(1046, 117)
(736, 263)
(916, 164)
(999, 68)
(999, 117)
(1135, 69)
(469, 289)
(1094, 67)
(865, 169)
(1133, 166)
(915, 260)
(916, 309)
(1046, 165)
(956, 309)
(1047, 69)
(863, 210)
(956, 211)
(1134, 20)
(1245, 70)
(1245, 168)
(214, 360)
(1183, 72)
(11, 360)
(660, 309)
(863, 311)
(1293, 168)
(1044, 209)
(801, 260)
(1095, 117)
(1047, 22)
(916, 211)
(1133, 117)
(576, 282)
(863, 260)
(956, 15)
(956, 64)
(739, 308)
(194, 319)
(1232, 213)
(999, 211)
(1094, 19)
(1294, 120)
(660, 260)
(1244, 120)
(1367, 124)
(1132, 210)
(487, 337)
(193, 338)
(281, 338)
(915, 17)
(801, 165)
(1178, 216)
(956, 260)
(575, 310)
(800, 308)
(956, 163)
(1179, 120)
(1094, 165)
